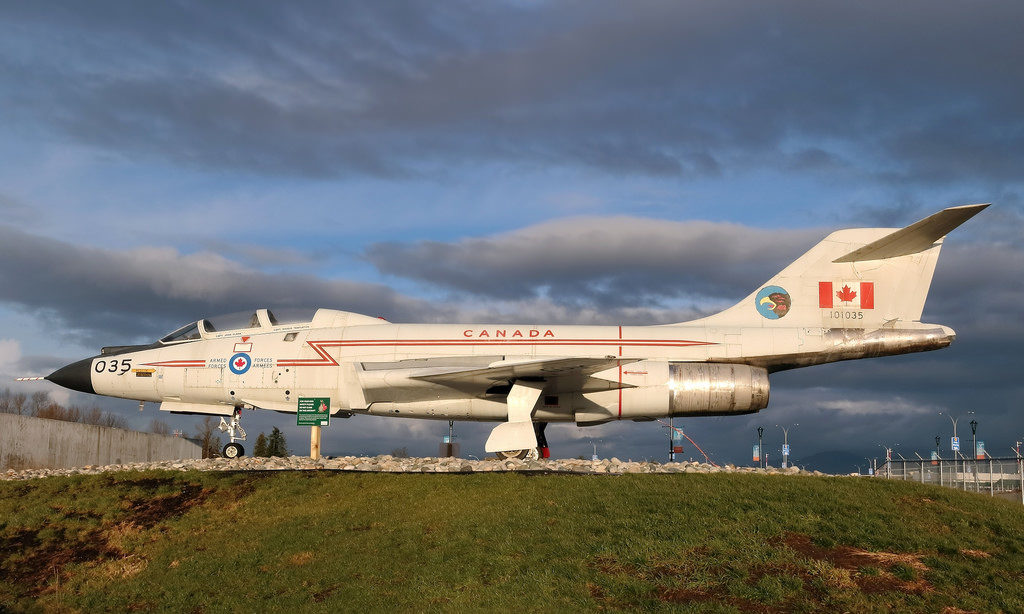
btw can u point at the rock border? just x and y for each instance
(390, 464)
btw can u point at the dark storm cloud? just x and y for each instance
(113, 296)
(107, 296)
(606, 262)
(924, 91)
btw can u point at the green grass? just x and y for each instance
(217, 542)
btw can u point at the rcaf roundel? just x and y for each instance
(239, 363)
(856, 294)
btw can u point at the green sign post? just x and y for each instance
(314, 411)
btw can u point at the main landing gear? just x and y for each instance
(233, 450)
(541, 451)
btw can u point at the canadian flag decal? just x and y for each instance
(850, 294)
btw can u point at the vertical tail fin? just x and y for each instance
(861, 278)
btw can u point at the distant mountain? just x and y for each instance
(834, 461)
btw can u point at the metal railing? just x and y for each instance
(994, 476)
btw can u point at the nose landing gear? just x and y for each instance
(233, 450)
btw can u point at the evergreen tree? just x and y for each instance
(261, 446)
(276, 445)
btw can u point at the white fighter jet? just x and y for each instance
(857, 294)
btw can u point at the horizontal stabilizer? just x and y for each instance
(914, 238)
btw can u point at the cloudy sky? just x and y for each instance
(593, 162)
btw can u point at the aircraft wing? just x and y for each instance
(506, 370)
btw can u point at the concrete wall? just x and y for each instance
(32, 443)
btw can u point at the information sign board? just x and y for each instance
(955, 444)
(785, 450)
(980, 452)
(314, 411)
(757, 452)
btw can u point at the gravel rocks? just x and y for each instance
(390, 464)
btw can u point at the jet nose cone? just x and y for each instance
(76, 376)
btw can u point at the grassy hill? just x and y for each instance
(308, 541)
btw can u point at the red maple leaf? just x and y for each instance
(240, 363)
(846, 294)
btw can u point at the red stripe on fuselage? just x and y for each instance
(620, 374)
(620, 390)
(326, 360)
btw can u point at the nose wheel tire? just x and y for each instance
(233, 450)
(531, 454)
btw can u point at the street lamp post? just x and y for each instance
(954, 420)
(956, 452)
(672, 440)
(888, 459)
(974, 452)
(785, 444)
(760, 448)
(938, 455)
(974, 438)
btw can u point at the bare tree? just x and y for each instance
(18, 403)
(38, 401)
(54, 411)
(93, 415)
(114, 421)
(159, 427)
(206, 433)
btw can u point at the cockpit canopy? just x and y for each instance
(185, 333)
(253, 321)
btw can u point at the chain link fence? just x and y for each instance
(1002, 477)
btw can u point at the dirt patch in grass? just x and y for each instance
(148, 512)
(322, 596)
(717, 595)
(848, 557)
(830, 571)
(975, 554)
(854, 559)
(34, 562)
(664, 575)
(300, 558)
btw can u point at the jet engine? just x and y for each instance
(707, 389)
(654, 389)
